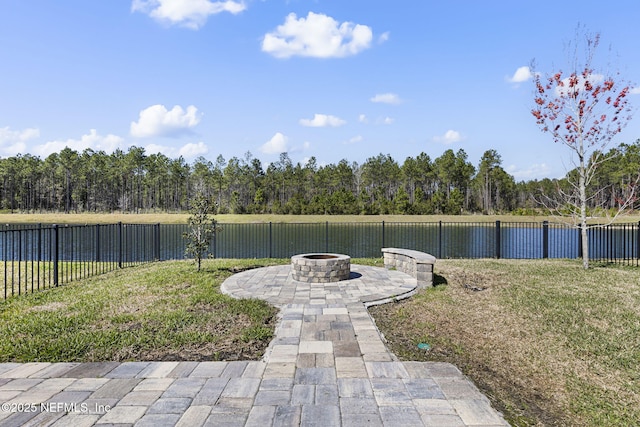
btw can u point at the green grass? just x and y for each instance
(160, 311)
(546, 341)
(23, 277)
(169, 218)
(549, 343)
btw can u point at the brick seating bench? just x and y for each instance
(415, 263)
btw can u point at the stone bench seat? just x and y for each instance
(415, 263)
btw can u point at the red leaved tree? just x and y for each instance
(582, 109)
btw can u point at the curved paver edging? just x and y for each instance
(277, 286)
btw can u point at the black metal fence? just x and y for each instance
(41, 257)
(617, 243)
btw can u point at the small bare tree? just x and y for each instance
(582, 109)
(202, 228)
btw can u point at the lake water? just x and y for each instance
(131, 243)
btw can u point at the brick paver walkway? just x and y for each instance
(327, 366)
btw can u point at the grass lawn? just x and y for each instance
(549, 343)
(23, 277)
(158, 311)
(181, 218)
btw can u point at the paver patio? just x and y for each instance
(326, 366)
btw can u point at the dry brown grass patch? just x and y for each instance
(51, 306)
(549, 343)
(502, 352)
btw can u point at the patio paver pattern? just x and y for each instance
(326, 366)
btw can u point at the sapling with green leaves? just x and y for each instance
(202, 228)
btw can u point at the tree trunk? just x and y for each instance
(583, 213)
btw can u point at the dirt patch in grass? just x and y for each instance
(481, 321)
(215, 340)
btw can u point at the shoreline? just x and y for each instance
(181, 218)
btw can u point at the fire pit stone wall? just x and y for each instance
(320, 267)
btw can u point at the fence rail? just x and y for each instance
(36, 257)
(42, 257)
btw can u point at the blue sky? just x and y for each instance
(330, 79)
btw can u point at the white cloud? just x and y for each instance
(386, 98)
(536, 171)
(306, 146)
(13, 142)
(355, 139)
(322, 120)
(192, 14)
(192, 150)
(378, 121)
(521, 75)
(383, 37)
(635, 91)
(157, 121)
(92, 140)
(318, 36)
(449, 137)
(277, 144)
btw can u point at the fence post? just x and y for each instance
(608, 243)
(56, 255)
(326, 236)
(383, 245)
(39, 244)
(638, 242)
(4, 258)
(215, 240)
(120, 244)
(624, 243)
(97, 242)
(270, 240)
(545, 239)
(39, 253)
(20, 262)
(498, 239)
(439, 239)
(157, 230)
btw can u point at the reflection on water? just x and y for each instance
(133, 243)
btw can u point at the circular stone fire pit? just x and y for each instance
(320, 268)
